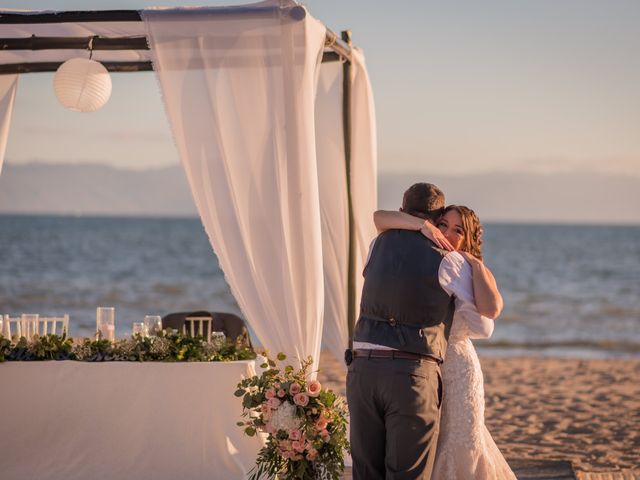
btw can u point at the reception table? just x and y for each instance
(123, 420)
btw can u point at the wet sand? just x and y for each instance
(583, 411)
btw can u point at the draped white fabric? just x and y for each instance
(8, 87)
(332, 177)
(333, 190)
(364, 164)
(239, 91)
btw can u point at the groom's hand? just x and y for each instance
(432, 232)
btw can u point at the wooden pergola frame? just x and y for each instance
(339, 49)
(336, 49)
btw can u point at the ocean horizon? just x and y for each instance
(570, 290)
(165, 216)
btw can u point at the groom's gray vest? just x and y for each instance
(403, 305)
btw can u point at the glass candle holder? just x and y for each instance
(139, 328)
(153, 324)
(218, 338)
(106, 323)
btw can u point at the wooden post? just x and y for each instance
(346, 125)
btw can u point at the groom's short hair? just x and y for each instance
(423, 200)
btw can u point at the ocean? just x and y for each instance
(569, 290)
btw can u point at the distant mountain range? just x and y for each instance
(78, 189)
(75, 189)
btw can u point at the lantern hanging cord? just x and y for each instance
(90, 45)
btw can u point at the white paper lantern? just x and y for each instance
(82, 85)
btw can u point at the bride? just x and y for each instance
(465, 447)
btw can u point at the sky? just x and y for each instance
(460, 88)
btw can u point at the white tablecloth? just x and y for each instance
(123, 420)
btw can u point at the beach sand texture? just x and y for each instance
(583, 411)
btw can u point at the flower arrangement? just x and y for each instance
(305, 425)
(168, 346)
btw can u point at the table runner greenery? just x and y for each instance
(168, 346)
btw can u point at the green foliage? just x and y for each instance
(47, 347)
(52, 347)
(5, 348)
(168, 346)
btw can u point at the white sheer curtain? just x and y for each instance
(364, 164)
(239, 86)
(332, 176)
(333, 190)
(8, 87)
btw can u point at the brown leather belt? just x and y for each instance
(392, 354)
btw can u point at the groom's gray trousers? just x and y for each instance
(394, 408)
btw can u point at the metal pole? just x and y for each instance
(346, 125)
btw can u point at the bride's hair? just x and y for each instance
(472, 230)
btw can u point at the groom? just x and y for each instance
(394, 388)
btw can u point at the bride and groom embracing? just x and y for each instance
(414, 383)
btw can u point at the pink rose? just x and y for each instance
(312, 454)
(295, 434)
(325, 436)
(276, 385)
(295, 388)
(321, 423)
(313, 388)
(281, 393)
(270, 393)
(297, 446)
(301, 399)
(274, 403)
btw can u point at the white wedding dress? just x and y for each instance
(465, 449)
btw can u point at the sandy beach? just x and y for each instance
(583, 411)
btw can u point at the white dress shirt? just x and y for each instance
(456, 278)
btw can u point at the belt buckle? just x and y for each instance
(348, 356)
(393, 322)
